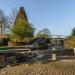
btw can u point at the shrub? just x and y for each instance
(11, 60)
(1, 42)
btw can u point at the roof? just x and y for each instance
(57, 36)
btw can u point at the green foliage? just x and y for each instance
(70, 42)
(12, 37)
(4, 42)
(73, 32)
(5, 39)
(22, 28)
(1, 42)
(11, 60)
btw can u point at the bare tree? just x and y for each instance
(3, 22)
(12, 17)
(44, 33)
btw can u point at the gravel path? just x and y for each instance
(61, 67)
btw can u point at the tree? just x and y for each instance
(3, 22)
(70, 40)
(43, 33)
(22, 28)
(73, 32)
(12, 17)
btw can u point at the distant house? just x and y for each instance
(57, 41)
(3, 36)
(40, 40)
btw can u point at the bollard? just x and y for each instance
(53, 54)
(74, 51)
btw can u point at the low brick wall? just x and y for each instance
(11, 43)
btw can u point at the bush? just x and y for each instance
(11, 60)
(1, 42)
(21, 57)
(4, 41)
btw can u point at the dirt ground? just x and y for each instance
(60, 67)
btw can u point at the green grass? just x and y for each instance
(11, 47)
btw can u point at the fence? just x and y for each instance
(63, 54)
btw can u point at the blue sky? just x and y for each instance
(56, 15)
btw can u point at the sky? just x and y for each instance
(56, 15)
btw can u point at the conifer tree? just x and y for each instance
(22, 28)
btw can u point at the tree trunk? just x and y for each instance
(1, 31)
